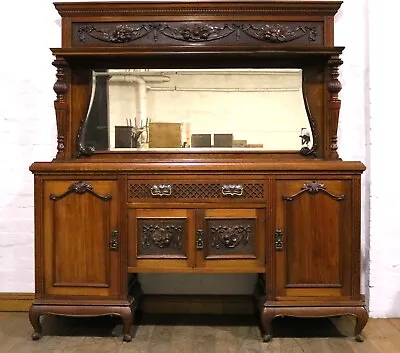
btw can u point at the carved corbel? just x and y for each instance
(334, 103)
(61, 105)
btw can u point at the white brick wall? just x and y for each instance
(385, 127)
(369, 76)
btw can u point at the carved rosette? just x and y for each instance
(60, 105)
(278, 33)
(313, 187)
(162, 236)
(80, 188)
(230, 237)
(334, 87)
(196, 32)
(119, 34)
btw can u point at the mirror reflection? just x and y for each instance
(146, 109)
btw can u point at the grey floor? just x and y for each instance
(185, 334)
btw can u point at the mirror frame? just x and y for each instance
(91, 122)
(203, 35)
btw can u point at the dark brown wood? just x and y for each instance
(102, 217)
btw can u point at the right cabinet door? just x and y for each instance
(313, 239)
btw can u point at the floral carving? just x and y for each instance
(313, 187)
(80, 188)
(196, 32)
(230, 237)
(277, 33)
(162, 236)
(120, 34)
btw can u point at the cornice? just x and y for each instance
(198, 8)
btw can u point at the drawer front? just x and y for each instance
(206, 190)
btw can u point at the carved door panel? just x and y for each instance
(314, 226)
(81, 250)
(161, 239)
(231, 239)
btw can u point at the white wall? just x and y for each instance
(369, 125)
(385, 126)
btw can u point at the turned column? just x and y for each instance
(334, 103)
(61, 106)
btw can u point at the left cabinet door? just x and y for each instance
(81, 255)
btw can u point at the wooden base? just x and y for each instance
(268, 313)
(37, 310)
(125, 310)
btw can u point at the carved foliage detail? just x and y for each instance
(80, 188)
(277, 33)
(119, 34)
(196, 31)
(162, 236)
(313, 187)
(81, 148)
(230, 237)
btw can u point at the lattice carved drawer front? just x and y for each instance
(207, 190)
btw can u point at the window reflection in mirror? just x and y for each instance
(200, 109)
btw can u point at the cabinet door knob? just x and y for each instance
(114, 242)
(278, 240)
(199, 239)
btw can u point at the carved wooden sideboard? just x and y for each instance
(102, 216)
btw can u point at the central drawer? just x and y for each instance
(196, 190)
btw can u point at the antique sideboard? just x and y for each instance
(187, 193)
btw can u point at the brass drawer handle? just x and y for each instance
(232, 190)
(161, 190)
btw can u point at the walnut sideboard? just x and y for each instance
(105, 213)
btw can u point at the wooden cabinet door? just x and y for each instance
(230, 239)
(160, 239)
(313, 239)
(80, 238)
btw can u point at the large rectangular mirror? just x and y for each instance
(214, 109)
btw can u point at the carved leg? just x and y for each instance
(267, 315)
(362, 317)
(34, 318)
(127, 319)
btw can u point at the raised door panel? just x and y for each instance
(231, 239)
(161, 239)
(81, 254)
(313, 238)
